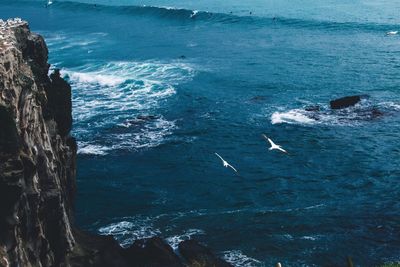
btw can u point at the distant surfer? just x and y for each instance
(49, 2)
(392, 33)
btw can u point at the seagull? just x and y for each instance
(392, 33)
(274, 146)
(226, 164)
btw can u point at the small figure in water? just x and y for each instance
(49, 2)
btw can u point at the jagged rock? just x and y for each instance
(198, 255)
(37, 165)
(59, 102)
(345, 102)
(152, 252)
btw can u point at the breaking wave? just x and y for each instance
(364, 111)
(117, 104)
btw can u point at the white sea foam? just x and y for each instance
(91, 149)
(295, 116)
(311, 238)
(106, 96)
(126, 232)
(391, 105)
(363, 111)
(238, 259)
(150, 135)
(174, 241)
(93, 78)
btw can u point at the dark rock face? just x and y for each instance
(9, 138)
(345, 102)
(152, 252)
(37, 164)
(198, 255)
(59, 102)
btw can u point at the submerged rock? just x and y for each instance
(313, 108)
(198, 255)
(345, 102)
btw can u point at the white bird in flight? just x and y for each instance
(226, 164)
(274, 146)
(392, 33)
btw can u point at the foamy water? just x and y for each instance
(121, 90)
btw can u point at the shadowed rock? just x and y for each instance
(345, 102)
(198, 255)
(9, 139)
(151, 252)
(59, 102)
(312, 108)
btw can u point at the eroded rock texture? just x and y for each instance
(37, 155)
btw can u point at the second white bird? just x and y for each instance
(225, 163)
(274, 146)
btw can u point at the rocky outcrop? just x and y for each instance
(38, 166)
(152, 252)
(198, 255)
(345, 102)
(37, 156)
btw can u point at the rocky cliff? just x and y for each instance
(38, 166)
(37, 155)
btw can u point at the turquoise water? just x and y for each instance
(158, 89)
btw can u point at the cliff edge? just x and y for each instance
(37, 155)
(38, 171)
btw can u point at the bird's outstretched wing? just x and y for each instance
(219, 157)
(233, 168)
(283, 150)
(269, 140)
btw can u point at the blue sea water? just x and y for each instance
(160, 86)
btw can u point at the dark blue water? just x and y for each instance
(158, 89)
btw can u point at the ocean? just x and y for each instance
(160, 86)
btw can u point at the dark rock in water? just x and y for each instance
(376, 113)
(198, 255)
(313, 108)
(345, 102)
(152, 252)
(146, 117)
